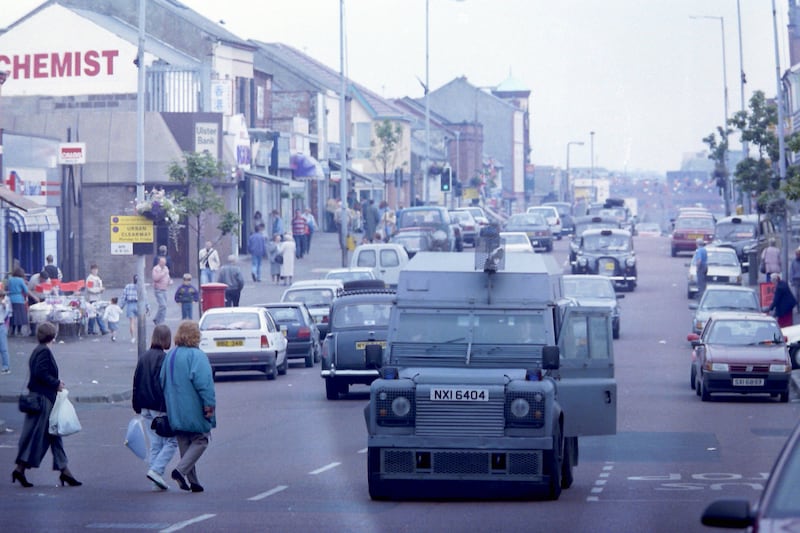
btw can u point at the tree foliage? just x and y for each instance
(389, 136)
(198, 174)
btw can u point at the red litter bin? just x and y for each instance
(212, 295)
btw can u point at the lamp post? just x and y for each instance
(781, 147)
(426, 162)
(591, 172)
(570, 181)
(727, 189)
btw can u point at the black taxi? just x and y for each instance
(608, 252)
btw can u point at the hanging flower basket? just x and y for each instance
(159, 208)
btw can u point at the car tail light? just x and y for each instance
(303, 333)
(264, 341)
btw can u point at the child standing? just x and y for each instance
(111, 317)
(186, 295)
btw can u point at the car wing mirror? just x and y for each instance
(619, 296)
(729, 514)
(550, 358)
(693, 338)
(693, 305)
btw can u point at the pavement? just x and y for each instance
(95, 369)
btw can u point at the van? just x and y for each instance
(385, 259)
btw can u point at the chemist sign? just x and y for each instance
(71, 153)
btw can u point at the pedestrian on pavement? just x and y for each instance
(231, 275)
(130, 302)
(273, 251)
(299, 228)
(53, 272)
(5, 312)
(18, 295)
(701, 266)
(257, 250)
(162, 252)
(794, 276)
(94, 288)
(111, 317)
(209, 263)
(287, 250)
(34, 296)
(783, 301)
(771, 259)
(311, 224)
(372, 219)
(148, 400)
(35, 439)
(187, 295)
(188, 383)
(277, 223)
(161, 282)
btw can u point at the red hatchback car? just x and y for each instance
(689, 228)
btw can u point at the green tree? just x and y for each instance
(718, 154)
(198, 174)
(389, 136)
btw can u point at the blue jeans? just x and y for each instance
(186, 310)
(161, 448)
(256, 266)
(161, 299)
(206, 275)
(4, 345)
(100, 325)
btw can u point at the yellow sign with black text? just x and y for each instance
(133, 229)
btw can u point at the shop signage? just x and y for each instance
(131, 229)
(71, 153)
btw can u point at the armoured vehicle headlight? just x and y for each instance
(520, 407)
(582, 261)
(631, 261)
(401, 406)
(439, 235)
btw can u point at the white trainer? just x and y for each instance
(153, 476)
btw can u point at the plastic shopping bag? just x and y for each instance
(63, 418)
(136, 438)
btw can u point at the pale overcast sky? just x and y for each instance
(640, 73)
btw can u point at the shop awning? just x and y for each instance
(33, 220)
(306, 167)
(335, 165)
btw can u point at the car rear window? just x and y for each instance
(286, 314)
(362, 314)
(311, 297)
(366, 258)
(230, 321)
(694, 223)
(389, 258)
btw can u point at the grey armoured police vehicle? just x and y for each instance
(488, 379)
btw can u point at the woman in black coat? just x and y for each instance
(35, 438)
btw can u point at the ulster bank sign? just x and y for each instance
(57, 52)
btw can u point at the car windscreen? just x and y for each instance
(311, 297)
(580, 228)
(728, 300)
(599, 242)
(744, 332)
(359, 315)
(350, 276)
(527, 219)
(705, 223)
(730, 231)
(477, 328)
(588, 288)
(224, 321)
(422, 217)
(520, 238)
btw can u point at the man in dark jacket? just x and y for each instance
(231, 275)
(148, 400)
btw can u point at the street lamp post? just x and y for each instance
(727, 188)
(570, 181)
(426, 162)
(591, 172)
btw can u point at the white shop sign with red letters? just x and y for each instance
(72, 153)
(57, 52)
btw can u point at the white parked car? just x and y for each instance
(516, 241)
(723, 269)
(385, 260)
(550, 214)
(318, 295)
(350, 274)
(243, 338)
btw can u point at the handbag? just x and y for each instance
(63, 418)
(30, 403)
(763, 268)
(279, 259)
(161, 426)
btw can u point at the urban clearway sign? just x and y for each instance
(129, 230)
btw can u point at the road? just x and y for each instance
(285, 459)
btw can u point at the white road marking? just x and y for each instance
(592, 499)
(597, 490)
(269, 493)
(323, 469)
(362, 450)
(181, 525)
(600, 482)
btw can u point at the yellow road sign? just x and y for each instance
(131, 229)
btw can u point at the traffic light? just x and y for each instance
(446, 179)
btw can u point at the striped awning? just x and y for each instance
(33, 220)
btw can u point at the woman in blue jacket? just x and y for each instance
(188, 384)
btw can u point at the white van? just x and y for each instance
(385, 260)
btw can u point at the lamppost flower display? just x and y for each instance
(159, 208)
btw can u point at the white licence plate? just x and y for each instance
(748, 382)
(459, 394)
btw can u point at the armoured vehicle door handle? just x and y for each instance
(608, 396)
